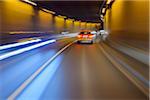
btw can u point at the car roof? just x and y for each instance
(85, 31)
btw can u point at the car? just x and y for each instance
(85, 36)
(104, 34)
(64, 32)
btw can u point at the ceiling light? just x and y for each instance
(70, 19)
(48, 11)
(62, 16)
(109, 1)
(30, 2)
(103, 10)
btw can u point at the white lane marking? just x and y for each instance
(126, 73)
(12, 53)
(18, 44)
(85, 75)
(33, 76)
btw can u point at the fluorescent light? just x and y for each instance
(62, 16)
(18, 44)
(108, 1)
(103, 10)
(30, 2)
(9, 54)
(48, 11)
(70, 19)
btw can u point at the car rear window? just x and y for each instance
(85, 32)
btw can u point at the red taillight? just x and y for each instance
(91, 36)
(79, 36)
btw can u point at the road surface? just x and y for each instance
(82, 72)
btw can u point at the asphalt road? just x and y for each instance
(86, 74)
(82, 72)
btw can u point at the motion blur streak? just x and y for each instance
(7, 55)
(18, 44)
(35, 74)
(41, 82)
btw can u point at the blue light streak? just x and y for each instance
(18, 44)
(9, 54)
(39, 84)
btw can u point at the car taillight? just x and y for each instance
(90, 36)
(79, 36)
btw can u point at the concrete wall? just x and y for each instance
(20, 16)
(129, 20)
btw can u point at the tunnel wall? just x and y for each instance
(83, 25)
(17, 16)
(77, 26)
(69, 25)
(59, 24)
(20, 16)
(128, 20)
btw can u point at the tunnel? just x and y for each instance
(74, 50)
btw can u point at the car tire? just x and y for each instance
(78, 42)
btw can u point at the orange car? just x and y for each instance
(86, 36)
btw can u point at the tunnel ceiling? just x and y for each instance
(80, 10)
